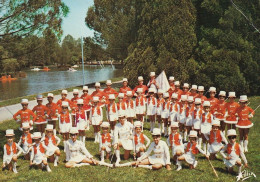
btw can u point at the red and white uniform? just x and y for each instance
(171, 90)
(99, 94)
(38, 153)
(105, 141)
(206, 120)
(74, 104)
(10, 150)
(182, 113)
(53, 110)
(175, 142)
(151, 106)
(25, 116)
(50, 143)
(152, 84)
(231, 112)
(243, 120)
(109, 91)
(124, 90)
(203, 98)
(144, 87)
(194, 95)
(130, 108)
(81, 119)
(196, 118)
(160, 101)
(179, 92)
(25, 141)
(41, 112)
(65, 122)
(140, 103)
(174, 112)
(190, 152)
(220, 110)
(188, 114)
(96, 115)
(59, 103)
(165, 109)
(123, 135)
(234, 151)
(86, 101)
(213, 102)
(112, 112)
(215, 138)
(139, 142)
(121, 108)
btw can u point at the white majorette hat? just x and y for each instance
(175, 125)
(125, 80)
(121, 115)
(190, 99)
(75, 91)
(201, 88)
(151, 90)
(80, 101)
(24, 101)
(222, 93)
(95, 99)
(156, 131)
(160, 91)
(165, 95)
(215, 122)
(198, 101)
(121, 95)
(174, 96)
(105, 124)
(65, 104)
(193, 133)
(36, 135)
(49, 127)
(74, 130)
(231, 132)
(243, 98)
(152, 74)
(212, 89)
(129, 93)
(171, 78)
(186, 85)
(206, 104)
(137, 124)
(50, 95)
(39, 97)
(177, 83)
(139, 90)
(64, 92)
(184, 97)
(85, 88)
(9, 132)
(109, 82)
(97, 84)
(140, 78)
(231, 94)
(111, 97)
(25, 125)
(194, 87)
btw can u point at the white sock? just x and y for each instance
(246, 144)
(83, 139)
(145, 166)
(81, 164)
(162, 125)
(165, 131)
(98, 135)
(102, 155)
(185, 136)
(118, 156)
(178, 163)
(64, 144)
(56, 159)
(200, 141)
(14, 167)
(169, 130)
(95, 134)
(204, 147)
(48, 168)
(125, 164)
(80, 138)
(54, 132)
(242, 144)
(141, 153)
(239, 169)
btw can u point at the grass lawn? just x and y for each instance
(203, 172)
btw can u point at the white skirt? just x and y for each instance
(151, 110)
(127, 144)
(137, 147)
(130, 113)
(96, 120)
(51, 150)
(196, 124)
(81, 125)
(158, 110)
(215, 147)
(230, 122)
(189, 158)
(205, 128)
(107, 148)
(42, 122)
(38, 158)
(25, 149)
(176, 148)
(9, 158)
(182, 119)
(113, 117)
(139, 109)
(173, 116)
(154, 160)
(189, 121)
(65, 127)
(232, 161)
(77, 158)
(165, 114)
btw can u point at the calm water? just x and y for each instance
(41, 81)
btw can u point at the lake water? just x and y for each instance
(41, 81)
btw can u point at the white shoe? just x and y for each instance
(239, 176)
(48, 169)
(117, 163)
(195, 164)
(179, 168)
(15, 171)
(55, 163)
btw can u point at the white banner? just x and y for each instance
(162, 82)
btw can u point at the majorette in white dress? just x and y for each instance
(81, 119)
(25, 141)
(130, 106)
(161, 154)
(175, 140)
(123, 135)
(105, 141)
(65, 121)
(38, 153)
(182, 113)
(206, 119)
(112, 113)
(196, 118)
(165, 107)
(174, 112)
(140, 105)
(96, 115)
(10, 150)
(121, 107)
(139, 142)
(50, 144)
(188, 114)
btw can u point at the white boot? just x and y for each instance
(102, 163)
(242, 145)
(80, 138)
(165, 131)
(200, 141)
(95, 134)
(84, 139)
(245, 145)
(98, 136)
(14, 167)
(48, 168)
(102, 155)
(64, 144)
(87, 125)
(185, 136)
(204, 147)
(124, 165)
(169, 130)
(112, 132)
(162, 127)
(151, 126)
(179, 165)
(54, 132)
(146, 166)
(56, 160)
(195, 164)
(118, 156)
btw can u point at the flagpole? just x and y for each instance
(82, 61)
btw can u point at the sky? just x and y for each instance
(74, 23)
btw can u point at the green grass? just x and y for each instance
(203, 172)
(55, 92)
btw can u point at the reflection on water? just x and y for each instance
(38, 82)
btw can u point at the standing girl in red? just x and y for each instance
(125, 87)
(160, 100)
(193, 91)
(53, 110)
(220, 110)
(231, 107)
(201, 94)
(172, 86)
(244, 113)
(41, 115)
